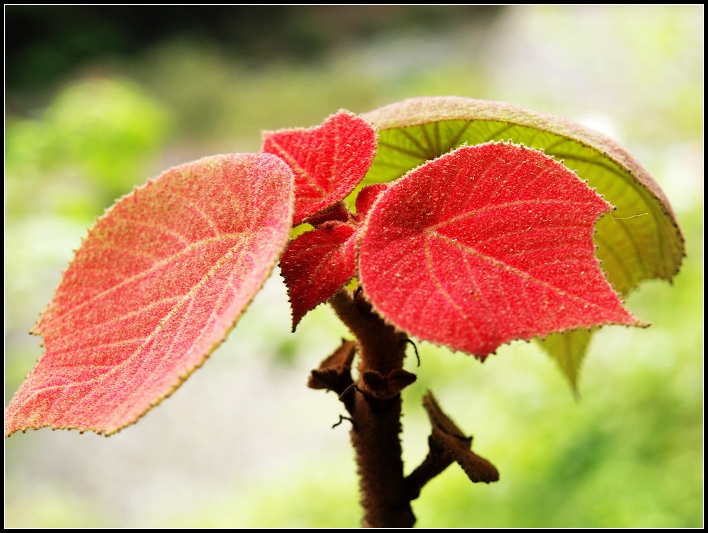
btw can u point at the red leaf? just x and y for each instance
(366, 198)
(317, 264)
(485, 245)
(155, 287)
(328, 160)
(339, 212)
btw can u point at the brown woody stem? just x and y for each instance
(376, 410)
(374, 403)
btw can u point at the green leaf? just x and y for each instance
(639, 240)
(568, 349)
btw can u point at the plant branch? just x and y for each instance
(375, 406)
(374, 403)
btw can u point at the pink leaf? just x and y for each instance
(155, 287)
(485, 245)
(317, 264)
(328, 161)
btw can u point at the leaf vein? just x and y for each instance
(298, 168)
(500, 264)
(142, 274)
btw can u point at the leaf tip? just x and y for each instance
(296, 318)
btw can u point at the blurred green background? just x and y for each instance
(99, 99)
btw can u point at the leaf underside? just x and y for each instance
(568, 350)
(156, 285)
(485, 245)
(639, 240)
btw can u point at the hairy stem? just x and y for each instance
(374, 403)
(376, 412)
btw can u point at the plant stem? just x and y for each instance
(374, 403)
(376, 413)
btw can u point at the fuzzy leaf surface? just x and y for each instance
(317, 264)
(328, 160)
(485, 245)
(366, 199)
(640, 240)
(156, 285)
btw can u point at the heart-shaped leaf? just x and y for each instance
(485, 245)
(328, 161)
(640, 240)
(154, 288)
(317, 264)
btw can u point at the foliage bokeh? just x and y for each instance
(243, 442)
